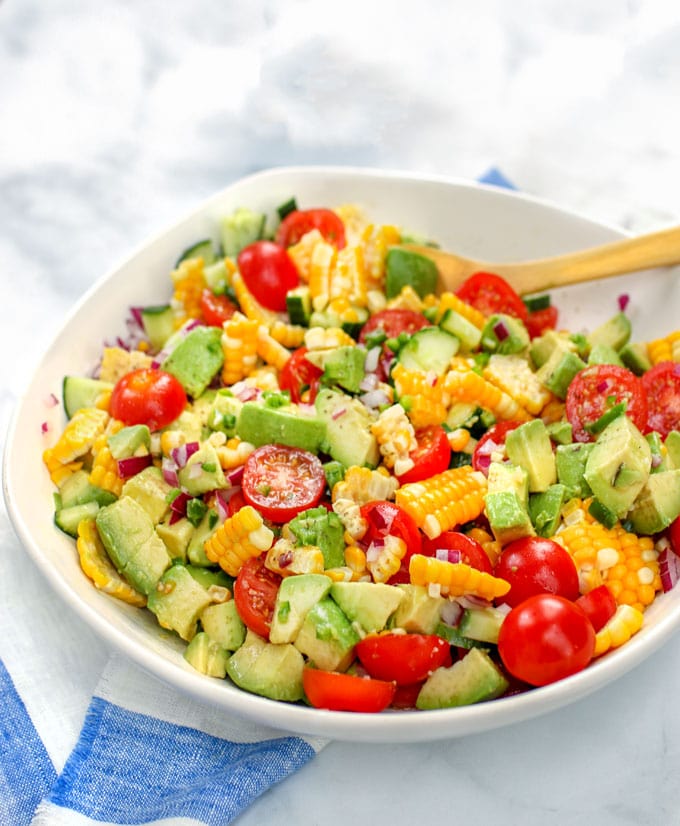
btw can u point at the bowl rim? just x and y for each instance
(391, 726)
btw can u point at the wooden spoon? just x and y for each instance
(657, 249)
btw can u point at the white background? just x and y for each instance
(116, 118)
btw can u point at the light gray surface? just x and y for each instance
(116, 119)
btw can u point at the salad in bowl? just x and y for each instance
(328, 486)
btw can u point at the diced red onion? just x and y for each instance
(221, 505)
(656, 460)
(372, 359)
(602, 386)
(471, 601)
(432, 378)
(169, 471)
(623, 300)
(136, 313)
(337, 413)
(306, 408)
(369, 382)
(448, 555)
(44, 427)
(183, 453)
(51, 400)
(245, 393)
(179, 503)
(195, 471)
(374, 550)
(451, 612)
(669, 568)
(133, 465)
(236, 475)
(374, 398)
(500, 329)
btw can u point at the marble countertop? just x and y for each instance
(117, 118)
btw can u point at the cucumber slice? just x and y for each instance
(462, 329)
(68, 519)
(81, 391)
(429, 349)
(159, 324)
(241, 228)
(201, 249)
(286, 208)
(77, 490)
(299, 305)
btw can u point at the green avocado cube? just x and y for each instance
(327, 637)
(178, 601)
(130, 441)
(196, 359)
(507, 516)
(261, 425)
(202, 472)
(207, 656)
(419, 611)
(271, 670)
(471, 680)
(222, 623)
(657, 504)
(370, 604)
(150, 490)
(295, 597)
(323, 528)
(529, 447)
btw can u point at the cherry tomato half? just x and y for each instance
(346, 692)
(598, 605)
(255, 590)
(147, 396)
(534, 565)
(280, 481)
(546, 638)
(541, 320)
(493, 441)
(299, 375)
(236, 501)
(268, 273)
(301, 221)
(431, 457)
(216, 309)
(387, 519)
(490, 294)
(402, 658)
(662, 386)
(470, 551)
(597, 389)
(674, 535)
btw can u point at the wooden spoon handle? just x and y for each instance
(657, 249)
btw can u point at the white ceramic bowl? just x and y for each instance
(479, 221)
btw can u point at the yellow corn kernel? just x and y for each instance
(289, 335)
(384, 562)
(104, 472)
(491, 546)
(117, 362)
(78, 437)
(233, 453)
(450, 301)
(301, 253)
(459, 439)
(553, 411)
(396, 438)
(443, 501)
(239, 346)
(626, 622)
(171, 439)
(242, 536)
(269, 350)
(189, 281)
(455, 579)
(359, 486)
(465, 385)
(321, 264)
(347, 278)
(326, 338)
(513, 376)
(407, 299)
(286, 559)
(98, 567)
(250, 306)
(664, 349)
(423, 395)
(376, 242)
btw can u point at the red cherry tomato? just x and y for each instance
(392, 322)
(301, 221)
(541, 320)
(387, 519)
(405, 696)
(469, 550)
(236, 502)
(402, 658)
(490, 294)
(280, 481)
(431, 457)
(546, 638)
(662, 387)
(268, 273)
(493, 441)
(598, 605)
(299, 375)
(346, 692)
(255, 590)
(534, 565)
(674, 536)
(216, 309)
(147, 396)
(597, 389)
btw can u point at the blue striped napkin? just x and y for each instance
(145, 753)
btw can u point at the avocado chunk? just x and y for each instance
(269, 669)
(223, 625)
(370, 604)
(342, 366)
(127, 532)
(507, 516)
(261, 425)
(327, 637)
(545, 508)
(405, 268)
(473, 679)
(481, 624)
(619, 465)
(134, 440)
(558, 371)
(529, 447)
(348, 436)
(504, 334)
(504, 476)
(659, 452)
(150, 490)
(295, 597)
(224, 412)
(202, 472)
(615, 332)
(206, 527)
(178, 601)
(634, 357)
(207, 656)
(658, 503)
(176, 536)
(418, 612)
(604, 354)
(542, 347)
(561, 433)
(672, 445)
(570, 461)
(196, 359)
(322, 528)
